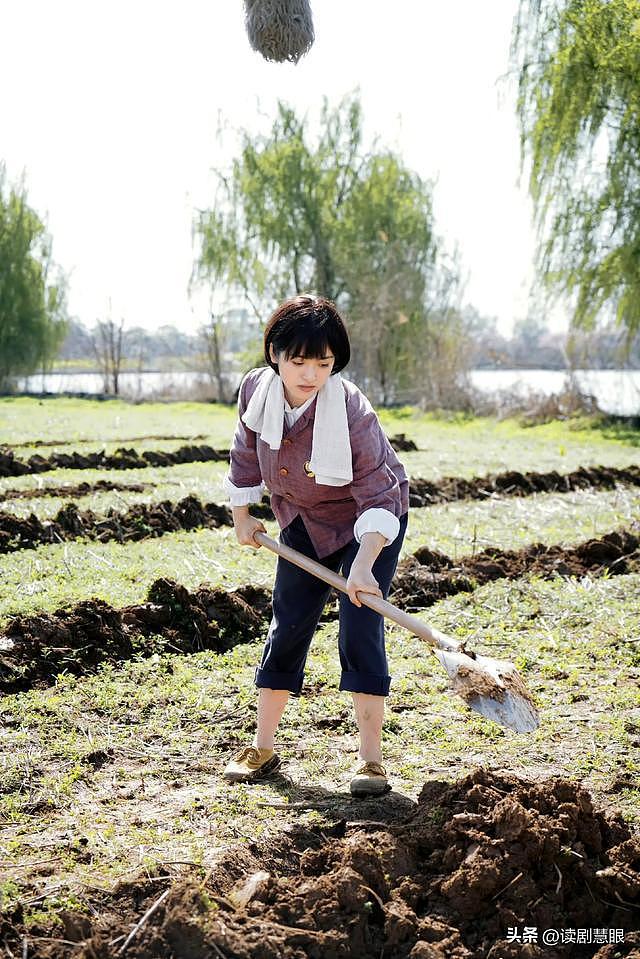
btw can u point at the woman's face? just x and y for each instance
(302, 377)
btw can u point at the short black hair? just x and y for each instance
(307, 325)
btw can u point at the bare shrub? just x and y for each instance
(533, 408)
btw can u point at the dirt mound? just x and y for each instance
(401, 444)
(141, 521)
(477, 862)
(422, 492)
(80, 489)
(121, 459)
(149, 520)
(428, 576)
(512, 483)
(127, 458)
(35, 649)
(100, 439)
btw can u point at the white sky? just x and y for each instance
(111, 110)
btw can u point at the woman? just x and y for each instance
(341, 496)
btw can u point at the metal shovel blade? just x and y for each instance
(492, 688)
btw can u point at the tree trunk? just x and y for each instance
(212, 335)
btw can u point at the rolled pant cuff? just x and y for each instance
(264, 679)
(364, 683)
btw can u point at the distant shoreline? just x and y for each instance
(616, 392)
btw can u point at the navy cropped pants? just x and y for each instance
(298, 601)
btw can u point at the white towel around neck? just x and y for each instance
(331, 446)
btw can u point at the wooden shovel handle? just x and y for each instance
(386, 609)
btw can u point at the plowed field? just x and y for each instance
(128, 642)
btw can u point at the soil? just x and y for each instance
(35, 649)
(153, 520)
(422, 492)
(126, 459)
(78, 489)
(512, 483)
(401, 444)
(100, 439)
(141, 521)
(475, 858)
(428, 576)
(121, 459)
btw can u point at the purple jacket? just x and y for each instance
(328, 512)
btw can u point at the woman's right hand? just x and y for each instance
(245, 526)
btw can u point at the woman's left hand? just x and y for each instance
(361, 580)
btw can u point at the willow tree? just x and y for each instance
(32, 292)
(579, 108)
(301, 210)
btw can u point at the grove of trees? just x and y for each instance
(578, 63)
(300, 211)
(32, 290)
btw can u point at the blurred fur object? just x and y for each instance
(279, 29)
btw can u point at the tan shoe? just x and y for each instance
(251, 763)
(370, 779)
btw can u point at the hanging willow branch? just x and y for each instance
(279, 29)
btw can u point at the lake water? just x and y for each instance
(182, 385)
(617, 391)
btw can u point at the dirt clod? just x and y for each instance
(154, 519)
(77, 489)
(476, 858)
(401, 444)
(120, 459)
(513, 483)
(141, 521)
(427, 576)
(37, 648)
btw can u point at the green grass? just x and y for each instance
(623, 430)
(59, 574)
(475, 446)
(456, 445)
(72, 421)
(466, 527)
(62, 574)
(165, 726)
(166, 482)
(109, 775)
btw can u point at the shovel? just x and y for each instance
(492, 687)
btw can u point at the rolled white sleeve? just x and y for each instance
(376, 520)
(242, 495)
